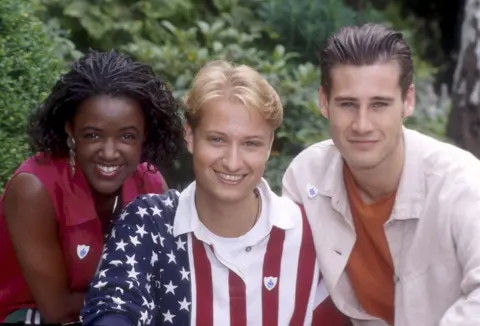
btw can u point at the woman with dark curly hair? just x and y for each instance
(100, 137)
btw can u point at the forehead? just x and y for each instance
(233, 119)
(380, 79)
(104, 111)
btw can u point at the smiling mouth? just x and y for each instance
(230, 178)
(108, 170)
(362, 141)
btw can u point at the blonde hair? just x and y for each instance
(221, 79)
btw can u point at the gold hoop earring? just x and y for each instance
(71, 153)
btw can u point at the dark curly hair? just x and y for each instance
(115, 74)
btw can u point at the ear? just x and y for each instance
(323, 101)
(409, 103)
(68, 129)
(270, 145)
(189, 137)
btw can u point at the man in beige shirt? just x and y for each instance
(395, 214)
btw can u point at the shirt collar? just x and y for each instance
(186, 216)
(411, 189)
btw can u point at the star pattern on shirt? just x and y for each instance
(156, 211)
(168, 317)
(142, 211)
(171, 257)
(142, 258)
(184, 274)
(140, 231)
(180, 244)
(100, 284)
(121, 245)
(131, 260)
(170, 288)
(184, 304)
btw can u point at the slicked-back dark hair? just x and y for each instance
(114, 74)
(366, 45)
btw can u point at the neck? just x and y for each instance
(382, 180)
(227, 219)
(104, 204)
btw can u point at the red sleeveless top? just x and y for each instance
(80, 230)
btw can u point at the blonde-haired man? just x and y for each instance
(227, 250)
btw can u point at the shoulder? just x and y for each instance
(283, 210)
(322, 148)
(316, 164)
(153, 180)
(314, 157)
(25, 188)
(450, 174)
(44, 162)
(150, 208)
(36, 175)
(37, 182)
(444, 161)
(29, 202)
(47, 170)
(286, 205)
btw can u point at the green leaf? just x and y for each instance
(78, 8)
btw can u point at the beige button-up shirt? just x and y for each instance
(433, 232)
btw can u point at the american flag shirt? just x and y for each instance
(159, 268)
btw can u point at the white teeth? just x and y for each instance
(230, 177)
(108, 169)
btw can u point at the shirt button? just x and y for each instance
(248, 249)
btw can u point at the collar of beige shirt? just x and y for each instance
(411, 190)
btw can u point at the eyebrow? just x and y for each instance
(127, 128)
(91, 128)
(210, 132)
(383, 98)
(345, 99)
(97, 129)
(354, 99)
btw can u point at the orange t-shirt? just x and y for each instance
(370, 266)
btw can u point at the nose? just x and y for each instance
(232, 160)
(362, 123)
(109, 151)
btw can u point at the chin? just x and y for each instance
(230, 196)
(363, 164)
(105, 188)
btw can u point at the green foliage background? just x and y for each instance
(279, 38)
(28, 67)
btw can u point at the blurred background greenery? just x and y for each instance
(280, 38)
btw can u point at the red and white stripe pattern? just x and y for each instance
(179, 280)
(220, 297)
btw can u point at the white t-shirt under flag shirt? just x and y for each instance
(162, 266)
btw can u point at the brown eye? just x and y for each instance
(379, 105)
(92, 136)
(252, 144)
(347, 105)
